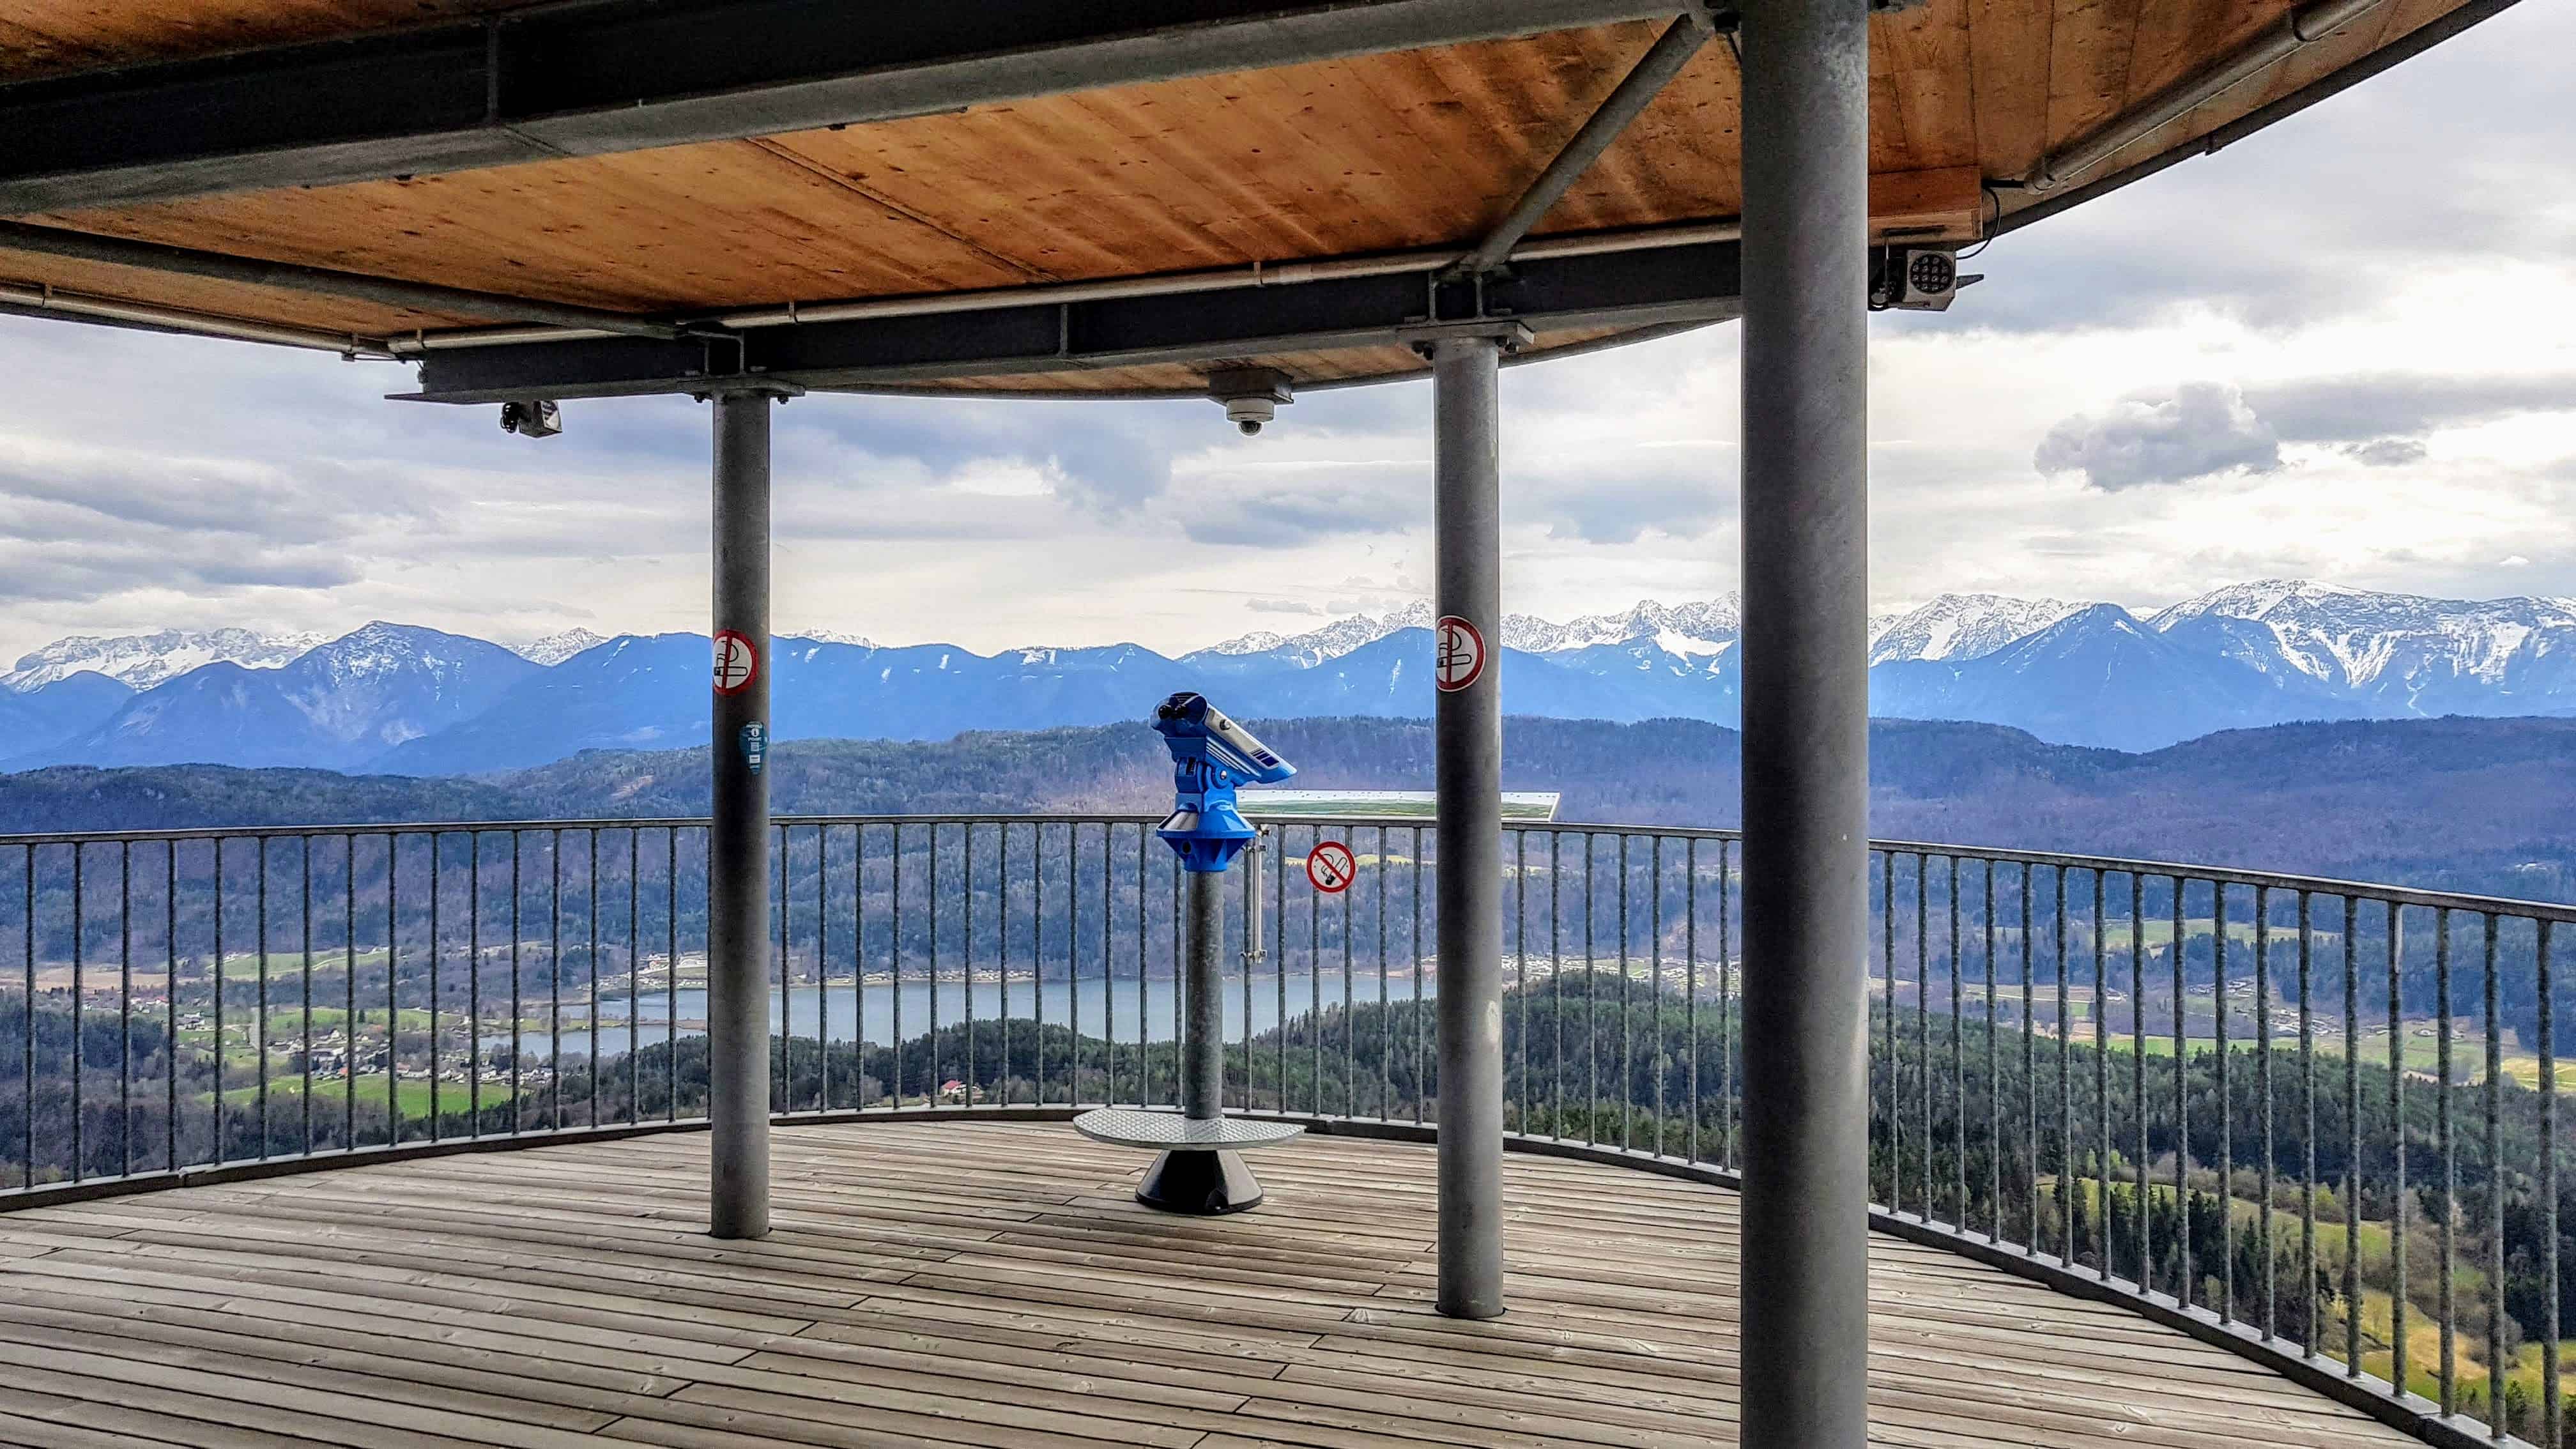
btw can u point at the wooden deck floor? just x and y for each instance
(939, 1284)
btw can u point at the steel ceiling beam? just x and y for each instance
(1662, 62)
(1686, 283)
(620, 75)
(318, 281)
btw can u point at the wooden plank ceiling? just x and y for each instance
(1408, 150)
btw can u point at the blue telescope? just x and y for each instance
(1211, 757)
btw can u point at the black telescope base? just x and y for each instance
(1196, 1180)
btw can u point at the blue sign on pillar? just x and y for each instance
(1211, 756)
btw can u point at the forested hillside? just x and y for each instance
(2487, 805)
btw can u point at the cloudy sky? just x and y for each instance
(2345, 349)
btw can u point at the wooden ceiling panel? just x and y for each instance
(1385, 153)
(1679, 158)
(1418, 149)
(41, 37)
(735, 221)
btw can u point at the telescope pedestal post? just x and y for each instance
(1198, 1180)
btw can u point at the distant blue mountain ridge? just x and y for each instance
(401, 699)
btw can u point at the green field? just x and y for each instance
(411, 1098)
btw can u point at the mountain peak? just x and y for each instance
(140, 661)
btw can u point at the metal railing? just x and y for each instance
(2317, 1120)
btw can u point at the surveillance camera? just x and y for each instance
(1249, 413)
(531, 419)
(1251, 395)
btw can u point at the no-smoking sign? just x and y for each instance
(737, 662)
(1460, 660)
(1332, 867)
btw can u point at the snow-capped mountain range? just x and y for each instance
(404, 699)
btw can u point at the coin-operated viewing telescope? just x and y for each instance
(1211, 757)
(1201, 1169)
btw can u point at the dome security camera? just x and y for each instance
(1251, 395)
(1249, 413)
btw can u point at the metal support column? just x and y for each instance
(1467, 755)
(1806, 723)
(738, 837)
(1209, 1178)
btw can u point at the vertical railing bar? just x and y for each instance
(1923, 1016)
(1627, 1042)
(822, 968)
(1178, 975)
(1655, 979)
(2226, 1114)
(2029, 1184)
(2263, 1089)
(259, 1034)
(2065, 1089)
(393, 1002)
(1556, 980)
(894, 969)
(2401, 1202)
(1726, 968)
(2352, 1140)
(304, 867)
(1385, 1014)
(1002, 953)
(27, 1044)
(2263, 1092)
(2308, 1130)
(933, 903)
(1351, 1050)
(437, 1036)
(966, 1011)
(1994, 1081)
(125, 1009)
(590, 971)
(1415, 1011)
(2138, 1073)
(1895, 1060)
(782, 901)
(2186, 1287)
(2552, 1412)
(1278, 958)
(169, 1011)
(1591, 997)
(215, 1112)
(519, 1107)
(1314, 975)
(1108, 999)
(1958, 1068)
(554, 979)
(2450, 1148)
(1144, 1034)
(1036, 947)
(2101, 1083)
(634, 975)
(670, 975)
(474, 986)
(80, 1020)
(1690, 988)
(2496, 1362)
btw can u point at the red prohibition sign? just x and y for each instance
(1460, 660)
(737, 662)
(1332, 867)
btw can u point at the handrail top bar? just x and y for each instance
(2058, 860)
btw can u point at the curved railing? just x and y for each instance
(2330, 1139)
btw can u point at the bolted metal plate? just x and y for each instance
(1129, 1127)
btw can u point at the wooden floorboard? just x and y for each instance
(996, 1286)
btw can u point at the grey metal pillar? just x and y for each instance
(1805, 1260)
(1468, 767)
(738, 838)
(1207, 1178)
(1203, 998)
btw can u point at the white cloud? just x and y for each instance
(148, 482)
